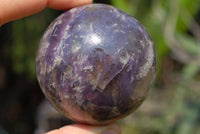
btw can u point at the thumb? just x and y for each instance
(87, 129)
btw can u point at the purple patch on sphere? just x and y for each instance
(96, 64)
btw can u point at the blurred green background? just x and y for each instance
(173, 105)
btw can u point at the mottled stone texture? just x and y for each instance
(96, 64)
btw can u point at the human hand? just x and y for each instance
(87, 129)
(16, 9)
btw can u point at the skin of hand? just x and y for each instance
(87, 129)
(16, 9)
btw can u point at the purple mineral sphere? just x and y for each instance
(95, 64)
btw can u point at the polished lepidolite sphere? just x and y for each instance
(95, 64)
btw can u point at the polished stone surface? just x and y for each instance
(96, 64)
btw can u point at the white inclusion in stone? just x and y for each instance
(81, 59)
(116, 11)
(141, 30)
(75, 48)
(88, 67)
(119, 50)
(55, 28)
(56, 62)
(144, 69)
(125, 58)
(132, 79)
(73, 10)
(66, 34)
(142, 43)
(114, 25)
(123, 17)
(79, 98)
(78, 27)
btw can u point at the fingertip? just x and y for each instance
(66, 4)
(16, 9)
(88, 129)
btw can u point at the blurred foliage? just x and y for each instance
(26, 34)
(166, 17)
(173, 106)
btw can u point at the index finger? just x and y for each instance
(15, 9)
